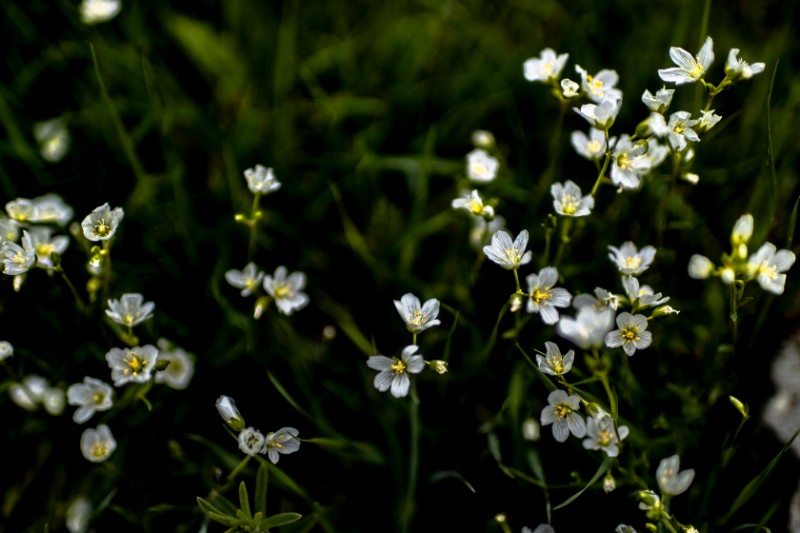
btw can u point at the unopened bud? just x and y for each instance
(609, 483)
(531, 430)
(742, 408)
(438, 366)
(229, 413)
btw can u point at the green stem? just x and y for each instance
(82, 307)
(252, 223)
(413, 460)
(107, 271)
(602, 173)
(516, 279)
(564, 240)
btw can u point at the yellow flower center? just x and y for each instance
(418, 319)
(480, 169)
(569, 204)
(512, 255)
(44, 249)
(633, 262)
(135, 363)
(539, 295)
(547, 68)
(476, 206)
(630, 334)
(563, 410)
(770, 271)
(555, 363)
(19, 258)
(595, 86)
(399, 367)
(624, 162)
(697, 70)
(99, 449)
(282, 291)
(97, 398)
(604, 438)
(593, 147)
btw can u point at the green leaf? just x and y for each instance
(280, 520)
(244, 501)
(224, 520)
(752, 526)
(262, 482)
(286, 396)
(597, 475)
(792, 224)
(207, 507)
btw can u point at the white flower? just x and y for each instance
(643, 296)
(18, 259)
(601, 435)
(700, 267)
(569, 88)
(23, 210)
(658, 103)
(509, 255)
(679, 130)
(562, 413)
(631, 334)
(473, 203)
(92, 395)
(226, 408)
(482, 139)
(393, 372)
(630, 261)
(246, 279)
(77, 519)
(587, 330)
(261, 180)
(628, 164)
(9, 230)
(707, 121)
(531, 430)
(656, 152)
(132, 364)
(282, 441)
(53, 139)
(53, 400)
(555, 364)
(180, 370)
(624, 528)
(602, 115)
(670, 480)
(543, 297)
(742, 230)
(767, 266)
(98, 444)
(6, 350)
(592, 147)
(739, 69)
(601, 85)
(285, 289)
(567, 200)
(546, 67)
(45, 244)
(52, 208)
(130, 310)
(481, 167)
(417, 318)
(29, 393)
(689, 69)
(96, 11)
(102, 223)
(251, 441)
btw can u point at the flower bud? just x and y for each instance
(229, 413)
(727, 275)
(742, 408)
(742, 230)
(438, 366)
(700, 267)
(609, 483)
(664, 310)
(531, 430)
(483, 139)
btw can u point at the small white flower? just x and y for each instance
(102, 223)
(9, 230)
(707, 121)
(739, 69)
(53, 139)
(601, 435)
(6, 350)
(602, 115)
(624, 528)
(656, 152)
(679, 130)
(543, 297)
(670, 480)
(555, 364)
(592, 147)
(18, 259)
(283, 441)
(628, 163)
(473, 203)
(569, 89)
(29, 393)
(509, 255)
(767, 266)
(180, 370)
(98, 444)
(54, 400)
(45, 244)
(261, 180)
(417, 318)
(92, 395)
(658, 103)
(482, 139)
(226, 408)
(246, 279)
(567, 200)
(132, 364)
(96, 11)
(546, 67)
(481, 167)
(631, 334)
(643, 296)
(251, 441)
(393, 372)
(531, 430)
(77, 519)
(130, 310)
(52, 208)
(601, 85)
(562, 412)
(689, 69)
(630, 261)
(742, 230)
(22, 210)
(700, 267)
(587, 330)
(285, 289)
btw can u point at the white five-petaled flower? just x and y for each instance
(700, 267)
(602, 115)
(130, 310)
(600, 435)
(417, 318)
(226, 408)
(261, 180)
(251, 441)
(473, 203)
(546, 67)
(9, 230)
(481, 167)
(628, 163)
(96, 11)
(767, 266)
(543, 297)
(102, 223)
(601, 85)
(92, 395)
(591, 147)
(53, 138)
(52, 208)
(706, 121)
(631, 334)
(98, 444)
(554, 363)
(739, 69)
(246, 279)
(569, 89)
(642, 295)
(680, 130)
(285, 289)
(45, 244)
(6, 350)
(562, 412)
(283, 441)
(132, 364)
(630, 261)
(690, 68)
(507, 253)
(588, 329)
(658, 103)
(180, 370)
(18, 259)
(393, 372)
(568, 201)
(670, 480)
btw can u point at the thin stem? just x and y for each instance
(516, 279)
(413, 460)
(414, 342)
(252, 223)
(603, 169)
(75, 294)
(107, 271)
(564, 240)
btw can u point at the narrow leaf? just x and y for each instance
(597, 475)
(280, 520)
(262, 482)
(244, 501)
(224, 520)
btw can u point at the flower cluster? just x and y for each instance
(251, 441)
(283, 288)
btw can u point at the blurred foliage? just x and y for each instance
(365, 112)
